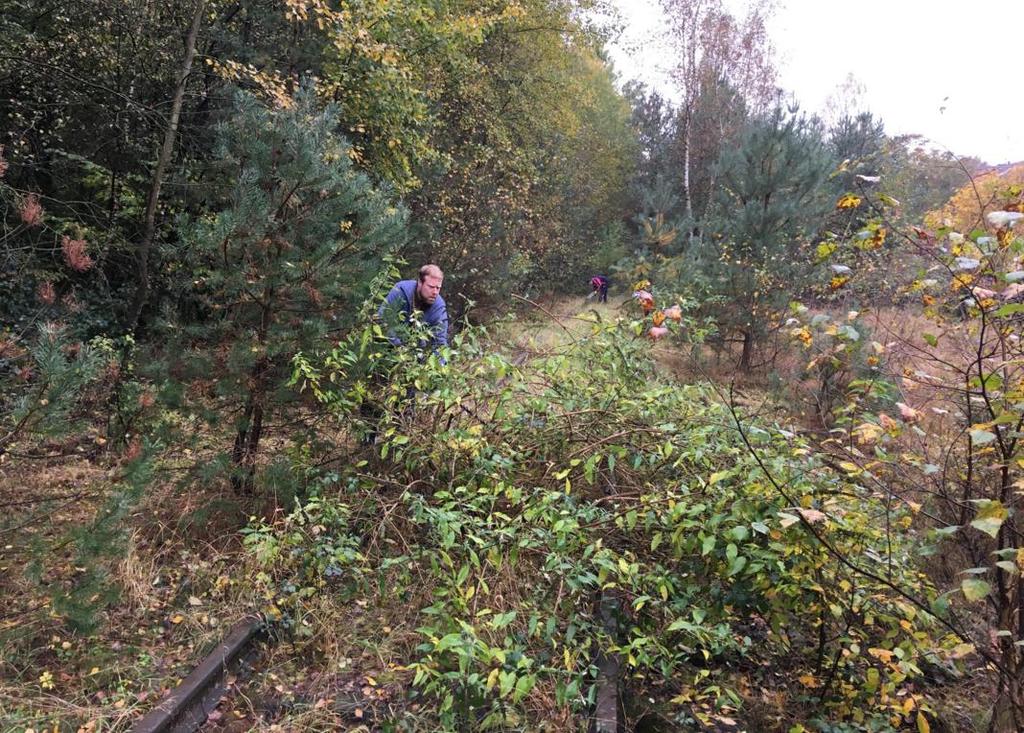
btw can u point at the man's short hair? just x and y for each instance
(430, 270)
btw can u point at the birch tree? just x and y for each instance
(719, 59)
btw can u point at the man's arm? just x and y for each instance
(441, 327)
(393, 304)
(438, 322)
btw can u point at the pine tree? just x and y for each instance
(288, 260)
(771, 196)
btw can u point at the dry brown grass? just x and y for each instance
(176, 596)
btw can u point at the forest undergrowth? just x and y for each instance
(453, 574)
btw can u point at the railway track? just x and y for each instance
(186, 708)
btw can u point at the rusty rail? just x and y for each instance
(186, 707)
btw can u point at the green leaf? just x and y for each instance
(448, 641)
(849, 332)
(981, 437)
(975, 589)
(738, 563)
(708, 545)
(506, 681)
(871, 680)
(502, 620)
(940, 605)
(990, 516)
(523, 687)
(1009, 309)
(679, 623)
(739, 532)
(824, 251)
(930, 339)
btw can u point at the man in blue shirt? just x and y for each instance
(421, 297)
(410, 302)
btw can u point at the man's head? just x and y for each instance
(429, 284)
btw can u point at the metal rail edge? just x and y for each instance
(607, 714)
(186, 707)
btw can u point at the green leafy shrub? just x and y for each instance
(507, 503)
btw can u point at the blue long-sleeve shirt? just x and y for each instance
(403, 298)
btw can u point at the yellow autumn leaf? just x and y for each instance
(848, 201)
(888, 423)
(922, 723)
(867, 433)
(883, 655)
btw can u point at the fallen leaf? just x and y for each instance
(812, 515)
(908, 413)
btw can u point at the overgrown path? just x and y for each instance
(533, 517)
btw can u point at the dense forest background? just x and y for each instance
(781, 486)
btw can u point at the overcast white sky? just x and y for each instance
(952, 70)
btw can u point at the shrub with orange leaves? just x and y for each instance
(46, 293)
(31, 211)
(75, 254)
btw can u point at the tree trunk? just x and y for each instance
(247, 439)
(163, 160)
(1006, 710)
(748, 350)
(686, 166)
